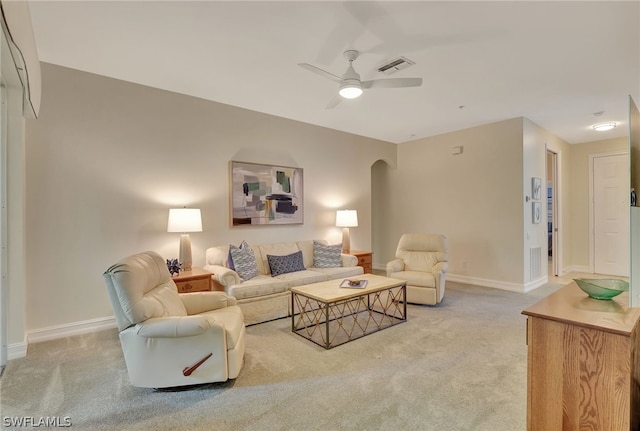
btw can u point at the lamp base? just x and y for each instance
(346, 240)
(185, 252)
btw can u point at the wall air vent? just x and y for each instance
(395, 65)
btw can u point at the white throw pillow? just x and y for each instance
(244, 261)
(327, 256)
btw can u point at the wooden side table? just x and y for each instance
(196, 280)
(365, 259)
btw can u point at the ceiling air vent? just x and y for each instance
(395, 65)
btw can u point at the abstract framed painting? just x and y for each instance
(536, 188)
(265, 194)
(536, 212)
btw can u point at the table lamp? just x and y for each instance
(346, 219)
(185, 220)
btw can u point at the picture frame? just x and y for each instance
(536, 188)
(536, 212)
(265, 194)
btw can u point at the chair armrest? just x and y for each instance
(199, 302)
(176, 326)
(223, 275)
(396, 265)
(439, 271)
(349, 260)
(440, 267)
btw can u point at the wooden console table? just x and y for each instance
(583, 363)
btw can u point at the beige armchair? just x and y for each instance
(421, 261)
(171, 339)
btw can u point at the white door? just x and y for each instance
(611, 214)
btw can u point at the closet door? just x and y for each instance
(611, 214)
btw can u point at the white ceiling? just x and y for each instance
(556, 63)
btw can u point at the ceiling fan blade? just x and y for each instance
(333, 102)
(392, 83)
(320, 72)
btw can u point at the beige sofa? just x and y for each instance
(265, 297)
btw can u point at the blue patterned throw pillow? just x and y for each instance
(244, 261)
(326, 256)
(285, 264)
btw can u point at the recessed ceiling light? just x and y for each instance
(603, 127)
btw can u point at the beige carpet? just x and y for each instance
(460, 366)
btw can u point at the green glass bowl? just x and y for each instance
(602, 288)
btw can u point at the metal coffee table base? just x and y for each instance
(330, 324)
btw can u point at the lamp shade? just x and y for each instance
(184, 220)
(346, 218)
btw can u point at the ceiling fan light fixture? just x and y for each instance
(603, 127)
(350, 90)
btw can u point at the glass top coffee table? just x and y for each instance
(330, 315)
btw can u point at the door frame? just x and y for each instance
(4, 321)
(592, 227)
(556, 210)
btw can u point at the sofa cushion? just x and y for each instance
(285, 264)
(244, 261)
(342, 272)
(326, 256)
(274, 249)
(306, 247)
(298, 278)
(258, 286)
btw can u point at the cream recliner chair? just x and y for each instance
(171, 339)
(421, 261)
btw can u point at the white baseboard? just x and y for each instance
(528, 287)
(503, 285)
(70, 329)
(19, 350)
(577, 268)
(16, 350)
(496, 284)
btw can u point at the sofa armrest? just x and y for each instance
(223, 275)
(349, 260)
(200, 302)
(396, 265)
(176, 326)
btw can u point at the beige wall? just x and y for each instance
(536, 140)
(474, 198)
(107, 159)
(579, 197)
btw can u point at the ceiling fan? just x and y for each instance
(350, 84)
